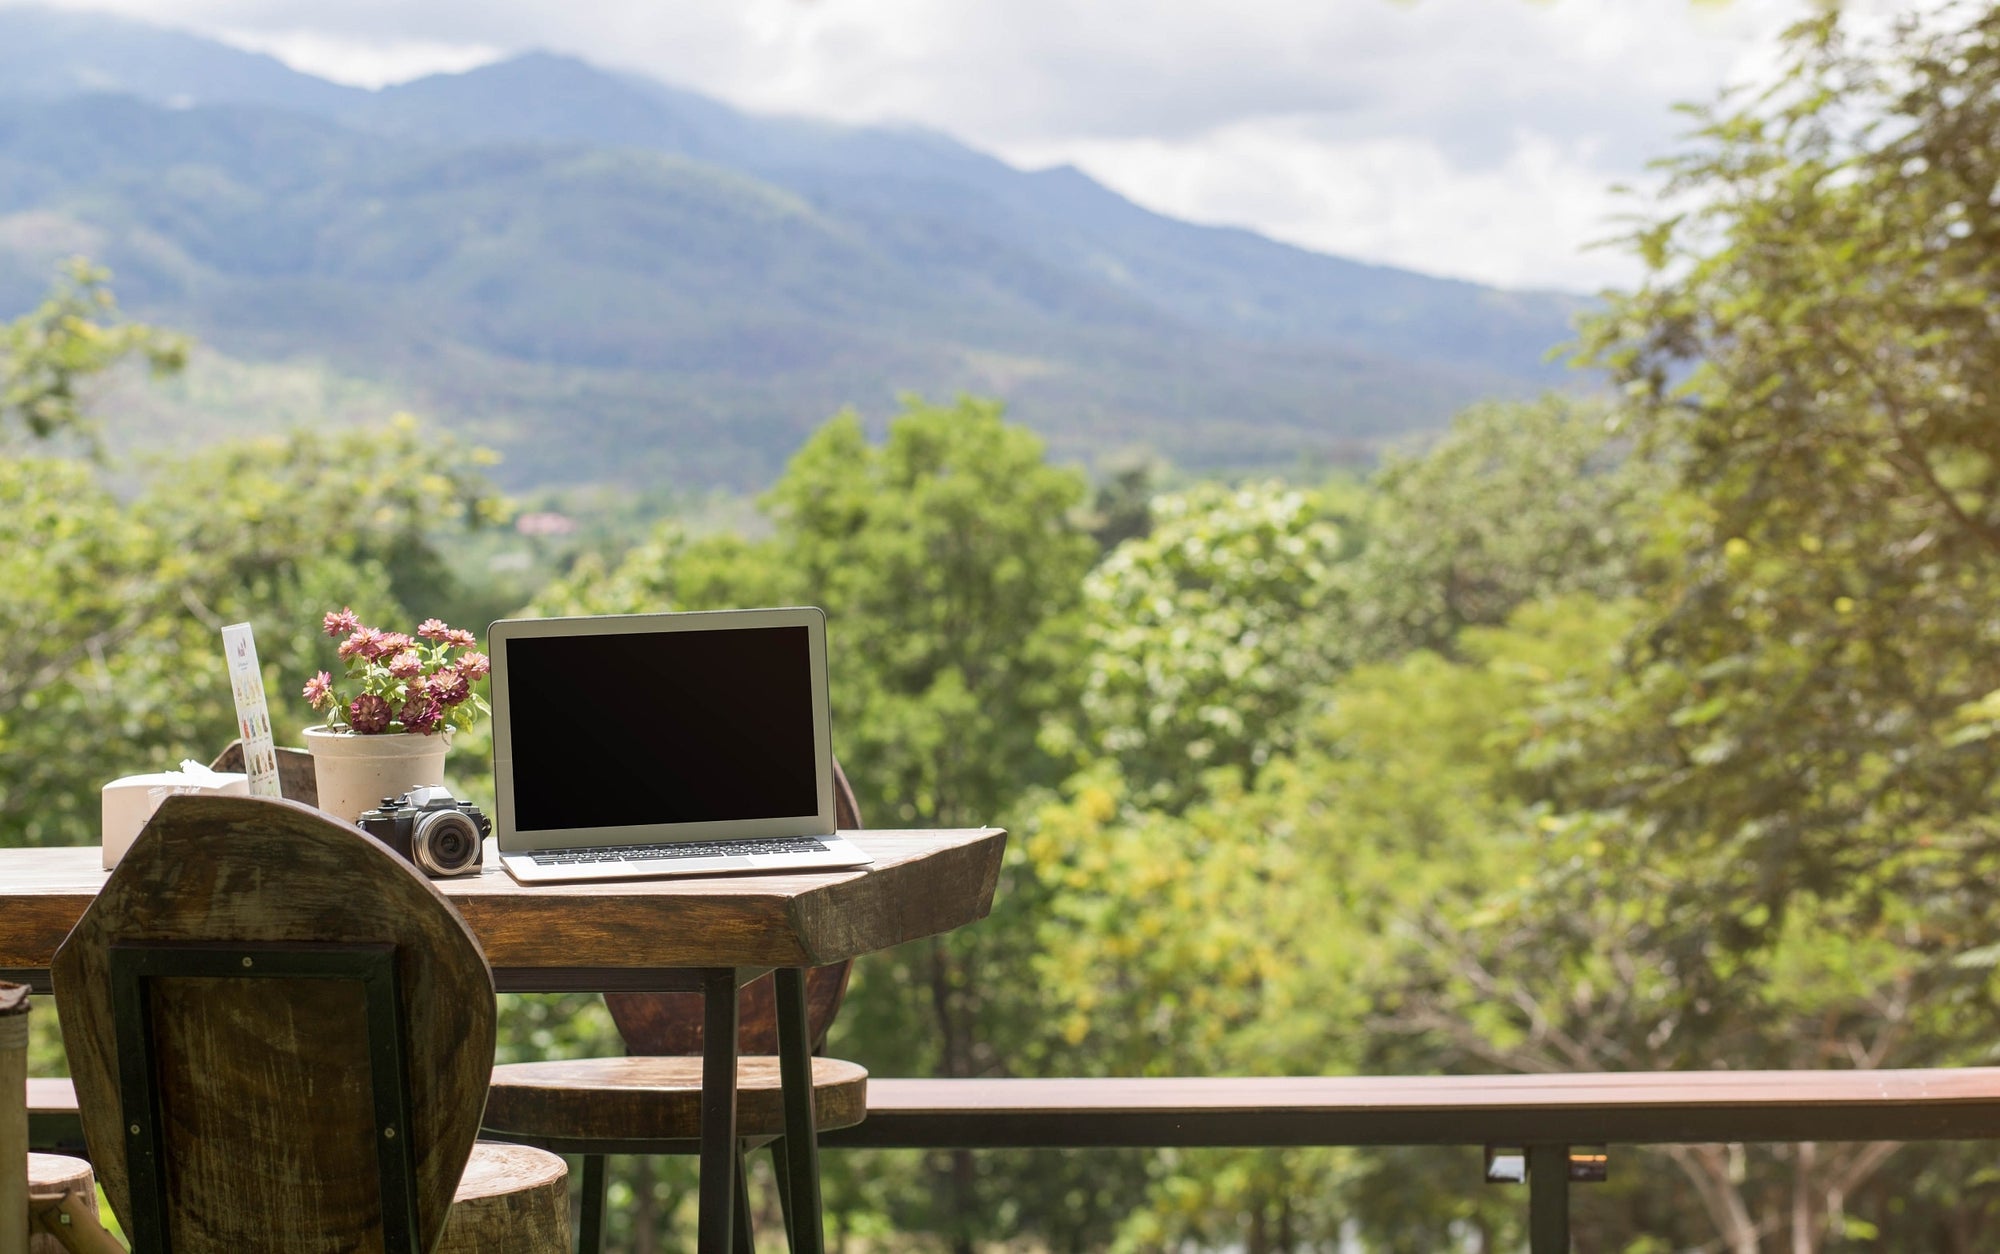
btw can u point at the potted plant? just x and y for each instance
(389, 721)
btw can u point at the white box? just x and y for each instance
(130, 801)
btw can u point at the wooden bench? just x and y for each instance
(1546, 1117)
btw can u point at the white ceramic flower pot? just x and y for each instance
(355, 773)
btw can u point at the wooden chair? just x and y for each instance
(296, 776)
(650, 1101)
(280, 1035)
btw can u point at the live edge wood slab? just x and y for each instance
(622, 936)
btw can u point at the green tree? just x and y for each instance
(1766, 837)
(1805, 723)
(1519, 500)
(948, 562)
(115, 625)
(50, 353)
(1205, 636)
(949, 559)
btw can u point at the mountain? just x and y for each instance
(60, 52)
(608, 277)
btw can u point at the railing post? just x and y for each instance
(1548, 1199)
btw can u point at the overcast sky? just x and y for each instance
(1475, 138)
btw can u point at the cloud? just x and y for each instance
(1016, 71)
(1470, 137)
(1527, 220)
(363, 62)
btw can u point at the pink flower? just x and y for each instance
(389, 668)
(421, 715)
(361, 644)
(368, 714)
(450, 686)
(319, 690)
(389, 643)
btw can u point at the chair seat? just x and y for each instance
(50, 1174)
(657, 1098)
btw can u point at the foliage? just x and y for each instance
(47, 354)
(1517, 501)
(1768, 834)
(948, 566)
(1260, 930)
(115, 605)
(1804, 727)
(1205, 635)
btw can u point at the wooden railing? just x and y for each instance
(1554, 1128)
(1557, 1127)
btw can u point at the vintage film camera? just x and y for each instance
(442, 835)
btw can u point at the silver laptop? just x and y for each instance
(643, 745)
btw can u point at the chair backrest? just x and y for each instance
(296, 777)
(670, 1023)
(280, 1033)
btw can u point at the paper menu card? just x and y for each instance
(253, 718)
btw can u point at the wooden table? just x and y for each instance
(709, 934)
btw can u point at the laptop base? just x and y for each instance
(720, 857)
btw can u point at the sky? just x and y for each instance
(1481, 139)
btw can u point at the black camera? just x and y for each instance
(436, 831)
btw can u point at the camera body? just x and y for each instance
(439, 834)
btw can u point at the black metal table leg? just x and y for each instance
(808, 1233)
(745, 1234)
(718, 1110)
(783, 1175)
(590, 1219)
(1548, 1199)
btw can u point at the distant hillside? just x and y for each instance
(610, 278)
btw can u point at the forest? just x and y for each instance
(1646, 725)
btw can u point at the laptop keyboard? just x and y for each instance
(691, 849)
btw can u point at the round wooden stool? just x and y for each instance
(62, 1208)
(652, 1105)
(647, 1101)
(511, 1198)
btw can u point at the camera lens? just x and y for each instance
(445, 843)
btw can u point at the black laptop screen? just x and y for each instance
(625, 729)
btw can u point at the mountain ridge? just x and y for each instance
(539, 242)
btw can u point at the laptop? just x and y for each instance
(644, 745)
